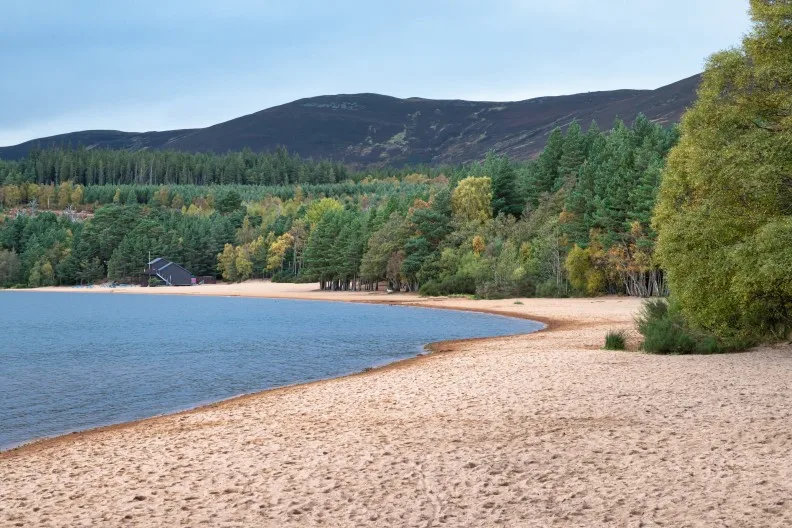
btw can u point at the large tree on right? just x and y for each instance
(724, 213)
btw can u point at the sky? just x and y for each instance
(144, 65)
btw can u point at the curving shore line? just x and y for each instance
(543, 429)
(289, 292)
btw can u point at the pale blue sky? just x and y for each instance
(166, 64)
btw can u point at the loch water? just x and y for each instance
(72, 361)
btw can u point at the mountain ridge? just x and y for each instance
(372, 129)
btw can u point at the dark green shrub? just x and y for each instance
(284, 276)
(450, 286)
(708, 345)
(551, 288)
(430, 289)
(615, 340)
(652, 310)
(458, 284)
(665, 331)
(303, 278)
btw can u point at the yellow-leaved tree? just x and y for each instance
(472, 199)
(277, 251)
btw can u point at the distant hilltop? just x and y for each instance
(372, 129)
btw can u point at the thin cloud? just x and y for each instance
(154, 65)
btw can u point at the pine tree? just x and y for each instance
(615, 178)
(545, 173)
(319, 262)
(505, 198)
(579, 207)
(573, 154)
(643, 195)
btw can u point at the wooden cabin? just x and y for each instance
(169, 272)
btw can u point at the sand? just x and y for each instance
(536, 430)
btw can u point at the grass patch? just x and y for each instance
(615, 340)
(518, 302)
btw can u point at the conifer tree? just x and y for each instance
(545, 172)
(573, 154)
(505, 198)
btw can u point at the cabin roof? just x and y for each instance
(168, 271)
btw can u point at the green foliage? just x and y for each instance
(551, 289)
(573, 152)
(282, 276)
(119, 167)
(575, 220)
(384, 257)
(724, 211)
(456, 285)
(10, 268)
(615, 340)
(319, 208)
(503, 275)
(505, 198)
(666, 331)
(228, 202)
(544, 176)
(583, 276)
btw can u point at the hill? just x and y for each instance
(372, 129)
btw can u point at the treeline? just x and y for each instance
(149, 167)
(577, 220)
(45, 248)
(574, 221)
(32, 197)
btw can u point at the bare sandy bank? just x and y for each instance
(543, 429)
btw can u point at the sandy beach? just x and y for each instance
(543, 429)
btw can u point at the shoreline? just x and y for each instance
(539, 429)
(435, 347)
(414, 300)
